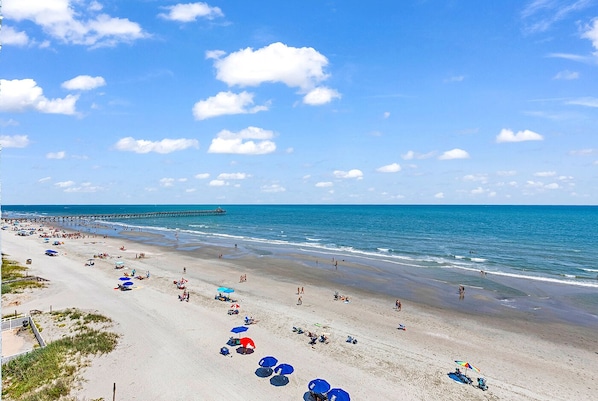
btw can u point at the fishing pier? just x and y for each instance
(117, 216)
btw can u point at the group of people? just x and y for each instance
(243, 278)
(184, 296)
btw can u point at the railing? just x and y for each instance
(24, 322)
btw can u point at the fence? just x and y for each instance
(17, 322)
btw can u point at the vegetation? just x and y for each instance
(13, 271)
(48, 373)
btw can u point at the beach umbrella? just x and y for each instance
(284, 369)
(129, 283)
(467, 365)
(338, 394)
(222, 289)
(235, 306)
(268, 362)
(125, 278)
(319, 386)
(247, 342)
(228, 290)
(239, 329)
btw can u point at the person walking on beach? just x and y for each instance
(298, 292)
(299, 301)
(302, 290)
(398, 304)
(461, 292)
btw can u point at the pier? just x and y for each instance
(116, 216)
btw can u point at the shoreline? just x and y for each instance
(521, 358)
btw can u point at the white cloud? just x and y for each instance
(217, 183)
(167, 182)
(507, 135)
(65, 184)
(10, 37)
(411, 155)
(226, 103)
(45, 179)
(202, 176)
(14, 141)
(456, 78)
(483, 178)
(386, 114)
(354, 173)
(553, 185)
(84, 83)
(19, 95)
(273, 188)
(130, 144)
(190, 12)
(583, 152)
(85, 187)
(324, 184)
(478, 191)
(439, 195)
(56, 155)
(233, 176)
(506, 173)
(454, 154)
(320, 95)
(566, 75)
(295, 67)
(389, 168)
(249, 141)
(584, 101)
(74, 22)
(545, 174)
(540, 15)
(591, 33)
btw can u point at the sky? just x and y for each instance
(299, 102)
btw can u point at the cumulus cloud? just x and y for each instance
(14, 141)
(65, 184)
(202, 176)
(84, 83)
(249, 141)
(545, 174)
(566, 75)
(85, 187)
(324, 184)
(10, 37)
(190, 12)
(507, 135)
(389, 168)
(164, 146)
(167, 182)
(226, 103)
(591, 33)
(506, 173)
(354, 173)
(319, 96)
(233, 176)
(74, 22)
(411, 155)
(56, 155)
(483, 178)
(454, 154)
(273, 188)
(439, 195)
(19, 95)
(217, 183)
(301, 68)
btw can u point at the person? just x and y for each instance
(398, 305)
(147, 274)
(184, 270)
(299, 301)
(461, 292)
(298, 291)
(302, 290)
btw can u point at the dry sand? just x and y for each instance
(169, 350)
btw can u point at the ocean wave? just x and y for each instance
(590, 270)
(478, 260)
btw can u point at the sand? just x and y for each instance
(169, 350)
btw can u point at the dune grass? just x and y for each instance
(49, 373)
(11, 270)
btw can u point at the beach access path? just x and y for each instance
(169, 350)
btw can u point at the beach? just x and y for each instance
(169, 350)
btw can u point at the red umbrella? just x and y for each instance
(247, 342)
(235, 306)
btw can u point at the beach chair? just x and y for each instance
(482, 384)
(233, 311)
(402, 327)
(233, 342)
(224, 351)
(351, 340)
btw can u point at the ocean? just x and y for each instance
(523, 251)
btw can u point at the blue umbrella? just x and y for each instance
(222, 289)
(319, 386)
(228, 290)
(128, 283)
(338, 394)
(239, 329)
(125, 278)
(284, 369)
(268, 362)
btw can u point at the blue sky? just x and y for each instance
(232, 102)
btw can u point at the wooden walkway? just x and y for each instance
(118, 216)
